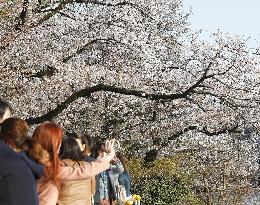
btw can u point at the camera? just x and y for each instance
(116, 145)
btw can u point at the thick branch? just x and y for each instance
(107, 88)
(23, 14)
(205, 131)
(220, 132)
(23, 17)
(101, 87)
(181, 132)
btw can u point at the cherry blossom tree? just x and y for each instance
(133, 70)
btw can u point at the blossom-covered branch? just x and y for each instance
(61, 6)
(89, 43)
(105, 88)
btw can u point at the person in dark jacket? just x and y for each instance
(17, 181)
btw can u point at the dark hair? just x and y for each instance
(88, 140)
(76, 135)
(4, 105)
(99, 147)
(70, 149)
(85, 139)
(14, 131)
(122, 159)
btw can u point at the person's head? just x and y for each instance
(79, 139)
(49, 135)
(5, 110)
(122, 159)
(84, 140)
(88, 141)
(70, 149)
(14, 131)
(100, 150)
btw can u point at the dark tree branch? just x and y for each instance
(230, 86)
(117, 4)
(205, 131)
(220, 132)
(97, 88)
(61, 6)
(48, 71)
(51, 13)
(107, 88)
(24, 11)
(223, 98)
(196, 103)
(181, 132)
(201, 80)
(66, 15)
(23, 15)
(84, 47)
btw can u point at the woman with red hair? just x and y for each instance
(48, 135)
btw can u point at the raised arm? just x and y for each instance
(89, 169)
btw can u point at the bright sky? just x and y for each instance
(234, 16)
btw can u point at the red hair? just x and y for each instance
(49, 136)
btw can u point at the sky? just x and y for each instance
(240, 17)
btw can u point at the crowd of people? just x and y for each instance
(51, 167)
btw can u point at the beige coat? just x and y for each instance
(48, 192)
(76, 192)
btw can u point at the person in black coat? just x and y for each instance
(17, 171)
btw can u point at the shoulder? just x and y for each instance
(36, 169)
(23, 154)
(71, 163)
(4, 148)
